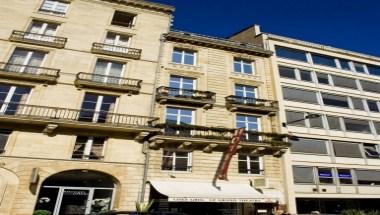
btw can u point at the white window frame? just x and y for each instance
(98, 106)
(245, 90)
(54, 8)
(243, 62)
(27, 59)
(248, 162)
(108, 69)
(8, 98)
(88, 147)
(189, 166)
(44, 26)
(178, 114)
(183, 53)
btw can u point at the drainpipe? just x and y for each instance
(145, 149)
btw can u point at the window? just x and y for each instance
(372, 106)
(249, 164)
(96, 108)
(316, 122)
(377, 127)
(179, 116)
(371, 150)
(243, 66)
(370, 86)
(176, 160)
(181, 85)
(345, 64)
(335, 100)
(299, 95)
(183, 56)
(356, 125)
(55, 7)
(323, 60)
(357, 103)
(304, 145)
(373, 70)
(286, 72)
(23, 60)
(345, 149)
(108, 72)
(12, 98)
(91, 148)
(246, 94)
(116, 42)
(359, 67)
(3, 139)
(344, 82)
(292, 54)
(344, 176)
(250, 123)
(325, 175)
(305, 76)
(123, 19)
(323, 78)
(303, 175)
(295, 118)
(334, 123)
(42, 31)
(368, 177)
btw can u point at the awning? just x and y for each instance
(273, 194)
(207, 192)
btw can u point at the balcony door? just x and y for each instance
(23, 60)
(11, 97)
(42, 31)
(250, 123)
(246, 94)
(108, 72)
(96, 108)
(117, 42)
(181, 86)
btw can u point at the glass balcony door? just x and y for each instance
(25, 61)
(108, 72)
(181, 86)
(117, 42)
(248, 92)
(42, 31)
(11, 97)
(250, 123)
(179, 116)
(95, 108)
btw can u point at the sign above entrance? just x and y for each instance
(219, 200)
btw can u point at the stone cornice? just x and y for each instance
(147, 5)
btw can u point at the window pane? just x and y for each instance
(334, 123)
(237, 67)
(377, 127)
(308, 146)
(181, 164)
(295, 118)
(3, 140)
(370, 86)
(316, 122)
(345, 64)
(357, 125)
(359, 67)
(371, 151)
(305, 75)
(345, 149)
(344, 176)
(287, 72)
(344, 82)
(323, 60)
(358, 103)
(243, 166)
(300, 95)
(177, 57)
(123, 19)
(369, 177)
(325, 176)
(303, 174)
(189, 59)
(373, 70)
(372, 105)
(334, 100)
(247, 68)
(291, 53)
(323, 78)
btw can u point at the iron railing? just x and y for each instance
(12, 109)
(122, 51)
(248, 101)
(226, 134)
(41, 39)
(109, 80)
(197, 95)
(30, 70)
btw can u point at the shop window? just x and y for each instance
(368, 177)
(91, 148)
(303, 175)
(299, 95)
(304, 145)
(335, 100)
(176, 160)
(371, 150)
(344, 176)
(243, 66)
(249, 164)
(292, 54)
(344, 82)
(286, 72)
(325, 175)
(356, 125)
(323, 60)
(345, 149)
(123, 19)
(183, 56)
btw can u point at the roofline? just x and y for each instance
(147, 4)
(321, 47)
(219, 43)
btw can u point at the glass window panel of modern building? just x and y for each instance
(303, 175)
(325, 175)
(323, 78)
(183, 56)
(306, 76)
(299, 95)
(357, 103)
(304, 145)
(295, 118)
(289, 53)
(323, 60)
(334, 123)
(373, 70)
(373, 106)
(344, 82)
(355, 125)
(335, 100)
(370, 86)
(346, 149)
(345, 176)
(371, 150)
(344, 64)
(243, 66)
(287, 72)
(176, 160)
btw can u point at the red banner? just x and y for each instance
(231, 151)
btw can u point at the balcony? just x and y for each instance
(246, 104)
(211, 139)
(104, 82)
(38, 39)
(203, 99)
(51, 119)
(118, 51)
(28, 73)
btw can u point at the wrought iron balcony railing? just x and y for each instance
(38, 39)
(128, 85)
(178, 95)
(234, 103)
(119, 51)
(25, 72)
(66, 117)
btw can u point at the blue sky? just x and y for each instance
(347, 24)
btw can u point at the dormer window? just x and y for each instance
(123, 19)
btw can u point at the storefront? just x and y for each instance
(205, 198)
(76, 192)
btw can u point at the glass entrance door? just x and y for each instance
(74, 201)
